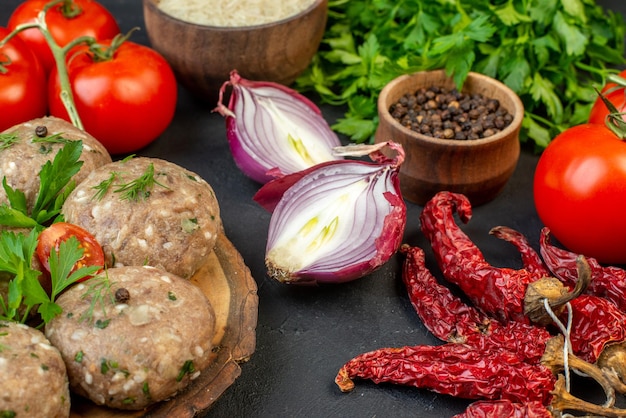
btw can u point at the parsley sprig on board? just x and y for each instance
(24, 289)
(552, 53)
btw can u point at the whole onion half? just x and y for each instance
(273, 130)
(337, 221)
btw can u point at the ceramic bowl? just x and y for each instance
(478, 168)
(202, 57)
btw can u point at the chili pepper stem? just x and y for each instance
(554, 360)
(555, 292)
(612, 375)
(613, 362)
(343, 380)
(565, 401)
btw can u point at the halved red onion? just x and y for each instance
(273, 130)
(337, 221)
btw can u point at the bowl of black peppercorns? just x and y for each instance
(461, 140)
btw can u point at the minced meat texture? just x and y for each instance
(147, 336)
(147, 211)
(33, 380)
(24, 152)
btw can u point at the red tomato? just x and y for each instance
(59, 232)
(599, 111)
(580, 190)
(125, 102)
(91, 19)
(23, 94)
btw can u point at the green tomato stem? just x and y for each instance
(614, 78)
(102, 53)
(67, 96)
(70, 9)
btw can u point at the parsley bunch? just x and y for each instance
(552, 53)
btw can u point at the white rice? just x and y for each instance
(233, 13)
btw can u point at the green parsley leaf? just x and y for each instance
(572, 37)
(571, 45)
(16, 253)
(55, 181)
(55, 185)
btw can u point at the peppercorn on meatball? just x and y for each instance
(147, 211)
(33, 381)
(28, 146)
(133, 336)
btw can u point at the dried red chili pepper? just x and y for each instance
(500, 292)
(453, 369)
(470, 373)
(608, 282)
(482, 364)
(450, 319)
(505, 408)
(598, 330)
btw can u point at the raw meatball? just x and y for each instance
(142, 344)
(34, 381)
(22, 159)
(172, 223)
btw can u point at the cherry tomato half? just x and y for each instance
(579, 190)
(125, 102)
(87, 18)
(23, 84)
(59, 232)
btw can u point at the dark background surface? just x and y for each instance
(304, 335)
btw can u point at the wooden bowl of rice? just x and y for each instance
(264, 40)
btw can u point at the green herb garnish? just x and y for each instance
(54, 186)
(52, 139)
(550, 52)
(187, 368)
(104, 186)
(146, 390)
(190, 225)
(102, 324)
(140, 187)
(104, 366)
(25, 290)
(99, 289)
(6, 140)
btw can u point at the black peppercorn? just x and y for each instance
(450, 114)
(122, 295)
(41, 131)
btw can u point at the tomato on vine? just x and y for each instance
(22, 83)
(66, 20)
(124, 93)
(614, 93)
(579, 190)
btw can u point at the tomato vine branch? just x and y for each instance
(59, 53)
